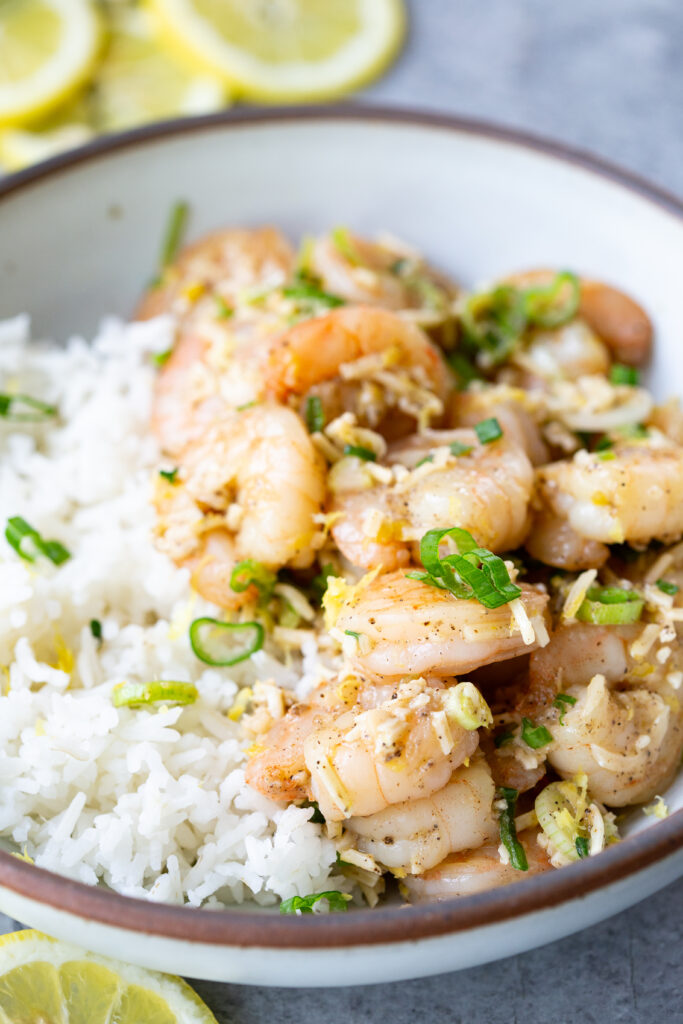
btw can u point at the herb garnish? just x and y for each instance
(508, 832)
(34, 410)
(315, 416)
(225, 643)
(305, 904)
(28, 543)
(366, 454)
(667, 588)
(473, 572)
(563, 701)
(620, 374)
(535, 736)
(169, 474)
(488, 430)
(252, 573)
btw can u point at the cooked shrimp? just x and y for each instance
(463, 874)
(248, 490)
(636, 494)
(225, 263)
(414, 836)
(411, 628)
(361, 346)
(201, 380)
(513, 410)
(486, 490)
(554, 542)
(402, 750)
(616, 319)
(378, 274)
(625, 729)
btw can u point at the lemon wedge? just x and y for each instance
(282, 50)
(42, 980)
(47, 49)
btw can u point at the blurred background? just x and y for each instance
(605, 76)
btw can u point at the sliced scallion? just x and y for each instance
(310, 293)
(128, 695)
(28, 543)
(620, 374)
(488, 430)
(169, 474)
(463, 369)
(667, 588)
(366, 454)
(251, 573)
(535, 736)
(610, 606)
(563, 701)
(555, 304)
(345, 245)
(319, 582)
(175, 229)
(96, 629)
(161, 358)
(225, 643)
(351, 632)
(223, 310)
(473, 572)
(508, 832)
(315, 416)
(581, 844)
(304, 904)
(458, 448)
(423, 461)
(25, 409)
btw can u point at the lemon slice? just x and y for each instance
(47, 49)
(138, 81)
(42, 980)
(286, 49)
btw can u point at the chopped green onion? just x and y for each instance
(493, 323)
(128, 695)
(427, 458)
(223, 310)
(311, 293)
(175, 229)
(606, 456)
(252, 573)
(246, 405)
(319, 582)
(463, 369)
(508, 832)
(535, 736)
(504, 738)
(315, 417)
(610, 606)
(667, 588)
(161, 358)
(351, 632)
(34, 411)
(22, 537)
(620, 374)
(169, 474)
(603, 444)
(458, 448)
(225, 643)
(305, 904)
(581, 844)
(488, 430)
(400, 266)
(96, 628)
(473, 572)
(563, 701)
(634, 431)
(344, 244)
(366, 454)
(317, 817)
(545, 306)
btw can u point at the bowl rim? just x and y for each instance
(247, 928)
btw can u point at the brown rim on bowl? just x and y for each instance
(387, 924)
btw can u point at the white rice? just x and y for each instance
(153, 803)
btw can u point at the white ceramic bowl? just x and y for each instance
(79, 237)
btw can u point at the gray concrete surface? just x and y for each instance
(606, 75)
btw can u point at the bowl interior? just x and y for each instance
(82, 240)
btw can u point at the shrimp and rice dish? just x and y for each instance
(326, 579)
